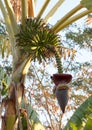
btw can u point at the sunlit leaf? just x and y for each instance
(87, 4)
(73, 126)
(33, 117)
(80, 114)
(88, 124)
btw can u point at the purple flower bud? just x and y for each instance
(62, 97)
(61, 78)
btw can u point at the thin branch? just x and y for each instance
(60, 120)
(67, 16)
(7, 19)
(51, 123)
(52, 128)
(43, 8)
(24, 5)
(11, 16)
(73, 19)
(40, 81)
(9, 29)
(53, 10)
(31, 8)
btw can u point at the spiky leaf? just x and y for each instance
(37, 39)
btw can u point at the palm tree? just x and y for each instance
(31, 38)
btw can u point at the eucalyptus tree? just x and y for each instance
(31, 39)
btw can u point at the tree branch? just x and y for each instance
(24, 5)
(11, 16)
(67, 16)
(53, 10)
(31, 10)
(73, 19)
(43, 8)
(6, 18)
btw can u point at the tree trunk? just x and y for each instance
(12, 104)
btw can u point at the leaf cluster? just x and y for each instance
(29, 115)
(37, 39)
(4, 81)
(82, 38)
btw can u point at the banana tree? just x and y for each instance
(31, 38)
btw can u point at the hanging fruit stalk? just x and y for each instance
(58, 61)
(61, 80)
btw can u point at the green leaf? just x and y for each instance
(10, 122)
(38, 126)
(88, 124)
(33, 117)
(73, 126)
(87, 4)
(80, 114)
(4, 88)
